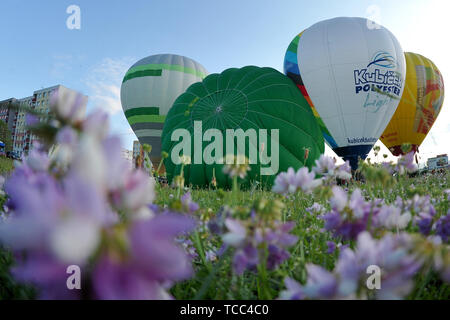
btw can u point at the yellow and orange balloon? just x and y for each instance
(419, 106)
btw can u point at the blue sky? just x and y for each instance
(38, 50)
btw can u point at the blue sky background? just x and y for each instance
(38, 50)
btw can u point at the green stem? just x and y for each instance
(235, 190)
(263, 283)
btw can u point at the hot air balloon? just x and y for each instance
(419, 106)
(149, 89)
(352, 72)
(260, 105)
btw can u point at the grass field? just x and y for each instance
(214, 277)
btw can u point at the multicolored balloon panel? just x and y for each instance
(149, 89)
(291, 69)
(419, 106)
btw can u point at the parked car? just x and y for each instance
(13, 155)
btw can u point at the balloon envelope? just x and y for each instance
(419, 107)
(149, 89)
(352, 73)
(261, 99)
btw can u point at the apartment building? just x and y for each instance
(21, 137)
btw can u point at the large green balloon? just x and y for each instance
(247, 98)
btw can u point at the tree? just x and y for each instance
(5, 136)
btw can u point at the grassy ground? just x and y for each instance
(218, 282)
(215, 279)
(6, 165)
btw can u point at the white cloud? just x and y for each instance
(104, 81)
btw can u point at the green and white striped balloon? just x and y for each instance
(148, 91)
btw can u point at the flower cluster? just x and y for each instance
(80, 204)
(236, 166)
(349, 215)
(326, 167)
(391, 255)
(292, 182)
(405, 164)
(259, 239)
(352, 214)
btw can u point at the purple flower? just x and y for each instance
(331, 247)
(248, 243)
(31, 119)
(293, 292)
(324, 165)
(392, 217)
(406, 163)
(392, 254)
(348, 217)
(443, 227)
(64, 210)
(153, 259)
(46, 273)
(424, 222)
(115, 281)
(316, 208)
(217, 224)
(189, 205)
(447, 192)
(291, 181)
(68, 105)
(321, 283)
(344, 171)
(188, 247)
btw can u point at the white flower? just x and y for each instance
(74, 240)
(89, 161)
(69, 105)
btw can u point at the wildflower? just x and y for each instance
(348, 217)
(447, 191)
(210, 255)
(331, 247)
(31, 119)
(344, 171)
(324, 165)
(316, 209)
(236, 166)
(185, 160)
(425, 222)
(392, 254)
(250, 241)
(217, 224)
(71, 216)
(152, 259)
(392, 217)
(188, 247)
(294, 290)
(443, 227)
(189, 205)
(68, 105)
(291, 181)
(178, 182)
(406, 163)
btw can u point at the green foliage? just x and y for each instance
(5, 136)
(6, 166)
(215, 279)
